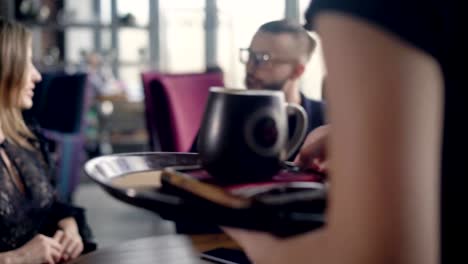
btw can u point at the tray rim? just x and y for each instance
(165, 202)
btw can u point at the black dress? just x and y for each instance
(36, 210)
(436, 28)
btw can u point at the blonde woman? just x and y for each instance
(34, 226)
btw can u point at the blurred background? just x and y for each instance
(173, 36)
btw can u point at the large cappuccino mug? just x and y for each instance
(244, 135)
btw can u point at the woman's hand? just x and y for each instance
(40, 249)
(70, 239)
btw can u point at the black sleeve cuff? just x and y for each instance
(416, 22)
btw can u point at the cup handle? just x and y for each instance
(300, 129)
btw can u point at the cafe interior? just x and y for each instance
(159, 132)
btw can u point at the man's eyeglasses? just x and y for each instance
(259, 59)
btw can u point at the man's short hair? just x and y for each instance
(294, 29)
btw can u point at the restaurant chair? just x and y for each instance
(174, 106)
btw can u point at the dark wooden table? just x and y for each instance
(159, 249)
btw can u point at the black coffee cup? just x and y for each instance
(244, 134)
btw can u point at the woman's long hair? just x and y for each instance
(15, 40)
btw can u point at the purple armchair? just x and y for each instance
(174, 106)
